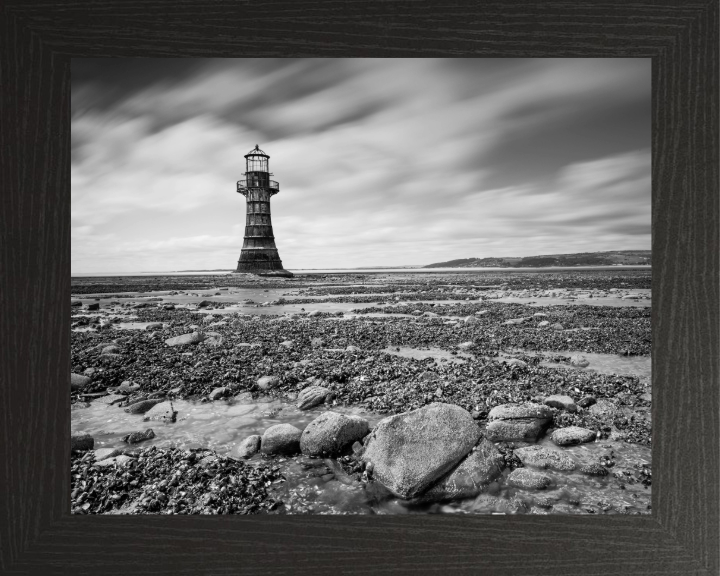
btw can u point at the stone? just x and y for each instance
(311, 396)
(81, 442)
(518, 422)
(594, 470)
(112, 349)
(465, 345)
(287, 344)
(135, 437)
(562, 402)
(111, 399)
(470, 320)
(579, 361)
(352, 349)
(603, 409)
(529, 480)
(161, 412)
(482, 466)
(75, 303)
(572, 435)
(281, 439)
(192, 338)
(78, 381)
(514, 411)
(154, 326)
(316, 342)
(541, 457)
(249, 447)
(543, 323)
(330, 432)
(204, 304)
(540, 315)
(514, 321)
(268, 382)
(410, 451)
(103, 453)
(314, 313)
(557, 326)
(587, 401)
(93, 306)
(218, 393)
(119, 460)
(516, 362)
(128, 387)
(142, 406)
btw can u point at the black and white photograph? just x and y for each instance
(361, 286)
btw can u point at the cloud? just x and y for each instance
(380, 162)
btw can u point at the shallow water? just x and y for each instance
(320, 485)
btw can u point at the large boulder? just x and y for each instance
(479, 468)
(541, 457)
(161, 412)
(579, 361)
(518, 422)
(410, 451)
(78, 381)
(135, 437)
(330, 432)
(572, 435)
(280, 439)
(312, 396)
(192, 338)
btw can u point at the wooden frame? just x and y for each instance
(37, 533)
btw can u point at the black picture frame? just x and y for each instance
(37, 533)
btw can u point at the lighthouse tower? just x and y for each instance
(259, 254)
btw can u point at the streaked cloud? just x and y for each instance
(380, 162)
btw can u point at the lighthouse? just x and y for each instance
(259, 255)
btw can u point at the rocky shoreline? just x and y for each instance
(324, 361)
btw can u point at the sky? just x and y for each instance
(381, 162)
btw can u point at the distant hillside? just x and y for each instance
(616, 257)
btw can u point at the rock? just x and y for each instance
(516, 362)
(119, 460)
(311, 396)
(352, 349)
(204, 304)
(213, 339)
(518, 422)
(218, 393)
(78, 381)
(287, 344)
(561, 402)
(192, 338)
(142, 406)
(465, 345)
(128, 387)
(557, 326)
(81, 442)
(316, 342)
(168, 306)
(112, 349)
(103, 453)
(527, 479)
(154, 326)
(412, 450)
(75, 303)
(267, 382)
(470, 320)
(541, 457)
(330, 432)
(579, 361)
(249, 447)
(161, 412)
(587, 401)
(280, 439)
(514, 321)
(93, 306)
(572, 435)
(594, 470)
(483, 465)
(603, 409)
(135, 437)
(111, 399)
(540, 315)
(314, 313)
(527, 410)
(543, 323)
(645, 397)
